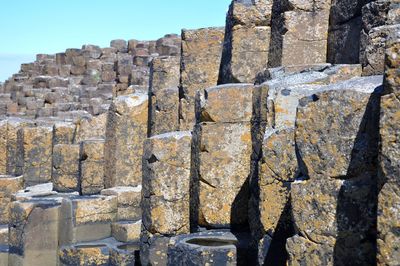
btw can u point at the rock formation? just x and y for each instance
(272, 141)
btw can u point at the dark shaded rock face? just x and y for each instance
(274, 140)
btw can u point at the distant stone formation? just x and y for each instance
(272, 141)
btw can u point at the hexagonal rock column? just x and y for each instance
(389, 197)
(299, 32)
(337, 139)
(166, 193)
(91, 179)
(222, 154)
(8, 145)
(164, 95)
(65, 173)
(64, 133)
(8, 186)
(208, 248)
(34, 231)
(344, 31)
(125, 134)
(35, 151)
(277, 164)
(378, 23)
(246, 45)
(200, 63)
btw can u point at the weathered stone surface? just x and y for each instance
(372, 50)
(222, 159)
(94, 209)
(329, 211)
(340, 165)
(64, 133)
(3, 146)
(164, 111)
(33, 235)
(166, 183)
(305, 45)
(65, 167)
(94, 127)
(37, 191)
(164, 95)
(344, 31)
(91, 218)
(126, 131)
(128, 201)
(277, 168)
(14, 160)
(126, 231)
(226, 103)
(305, 252)
(200, 62)
(84, 255)
(153, 249)
(328, 149)
(120, 45)
(299, 33)
(8, 186)
(91, 166)
(388, 222)
(389, 196)
(392, 63)
(246, 44)
(35, 145)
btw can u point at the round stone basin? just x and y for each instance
(210, 242)
(129, 247)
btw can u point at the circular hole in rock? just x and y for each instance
(210, 242)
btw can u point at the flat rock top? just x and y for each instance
(8, 177)
(360, 84)
(175, 134)
(116, 190)
(230, 86)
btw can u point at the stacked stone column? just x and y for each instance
(299, 32)
(164, 95)
(334, 201)
(200, 63)
(378, 22)
(166, 194)
(125, 134)
(389, 196)
(222, 155)
(247, 37)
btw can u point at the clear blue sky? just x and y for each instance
(29, 27)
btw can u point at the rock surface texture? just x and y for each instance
(274, 140)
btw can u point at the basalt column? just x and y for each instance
(126, 131)
(299, 32)
(334, 202)
(389, 196)
(247, 37)
(164, 95)
(200, 62)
